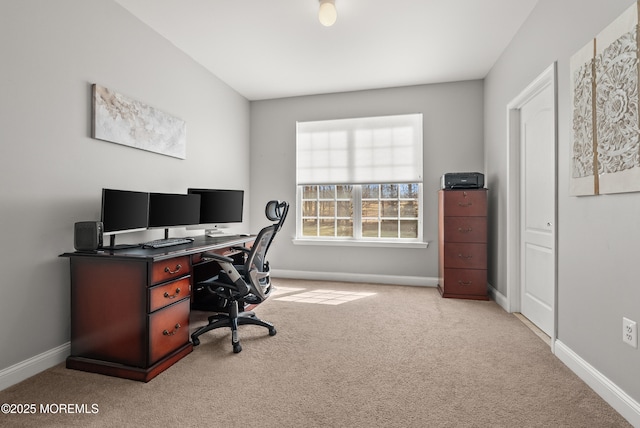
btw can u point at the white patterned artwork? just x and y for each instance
(606, 122)
(120, 120)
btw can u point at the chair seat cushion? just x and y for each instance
(220, 285)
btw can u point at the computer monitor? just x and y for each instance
(168, 210)
(219, 206)
(124, 211)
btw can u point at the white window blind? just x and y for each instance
(384, 149)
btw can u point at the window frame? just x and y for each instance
(358, 239)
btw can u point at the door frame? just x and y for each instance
(546, 78)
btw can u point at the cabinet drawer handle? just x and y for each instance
(461, 282)
(171, 333)
(462, 256)
(178, 267)
(467, 230)
(172, 296)
(468, 204)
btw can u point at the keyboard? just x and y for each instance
(168, 242)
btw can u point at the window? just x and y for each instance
(360, 179)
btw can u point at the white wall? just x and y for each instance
(52, 172)
(453, 130)
(598, 269)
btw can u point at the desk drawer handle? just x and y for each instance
(461, 282)
(462, 256)
(467, 230)
(178, 267)
(168, 333)
(170, 296)
(468, 204)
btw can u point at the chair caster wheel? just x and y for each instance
(195, 341)
(272, 332)
(236, 348)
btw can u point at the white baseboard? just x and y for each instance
(34, 365)
(603, 386)
(419, 281)
(498, 297)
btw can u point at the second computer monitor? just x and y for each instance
(172, 210)
(219, 206)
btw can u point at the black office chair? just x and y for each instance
(245, 284)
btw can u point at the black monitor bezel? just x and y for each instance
(133, 226)
(180, 201)
(207, 220)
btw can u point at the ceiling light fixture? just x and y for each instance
(327, 13)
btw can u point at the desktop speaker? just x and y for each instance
(87, 235)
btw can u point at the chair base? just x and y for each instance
(232, 320)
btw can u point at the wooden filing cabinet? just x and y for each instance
(462, 243)
(129, 317)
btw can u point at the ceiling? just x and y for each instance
(268, 49)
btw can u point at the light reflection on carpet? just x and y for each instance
(326, 297)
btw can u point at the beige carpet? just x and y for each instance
(402, 357)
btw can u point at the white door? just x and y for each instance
(537, 209)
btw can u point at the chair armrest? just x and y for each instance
(243, 249)
(218, 257)
(226, 263)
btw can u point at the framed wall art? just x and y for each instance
(605, 127)
(119, 119)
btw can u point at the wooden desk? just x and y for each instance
(130, 308)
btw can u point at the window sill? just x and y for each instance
(361, 243)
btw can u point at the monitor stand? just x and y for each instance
(113, 246)
(214, 233)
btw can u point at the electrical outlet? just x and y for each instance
(630, 332)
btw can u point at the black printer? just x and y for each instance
(462, 180)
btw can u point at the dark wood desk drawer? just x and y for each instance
(170, 269)
(465, 256)
(168, 330)
(465, 229)
(166, 294)
(461, 203)
(466, 281)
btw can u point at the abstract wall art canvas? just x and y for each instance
(605, 118)
(119, 119)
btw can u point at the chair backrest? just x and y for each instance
(256, 266)
(277, 211)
